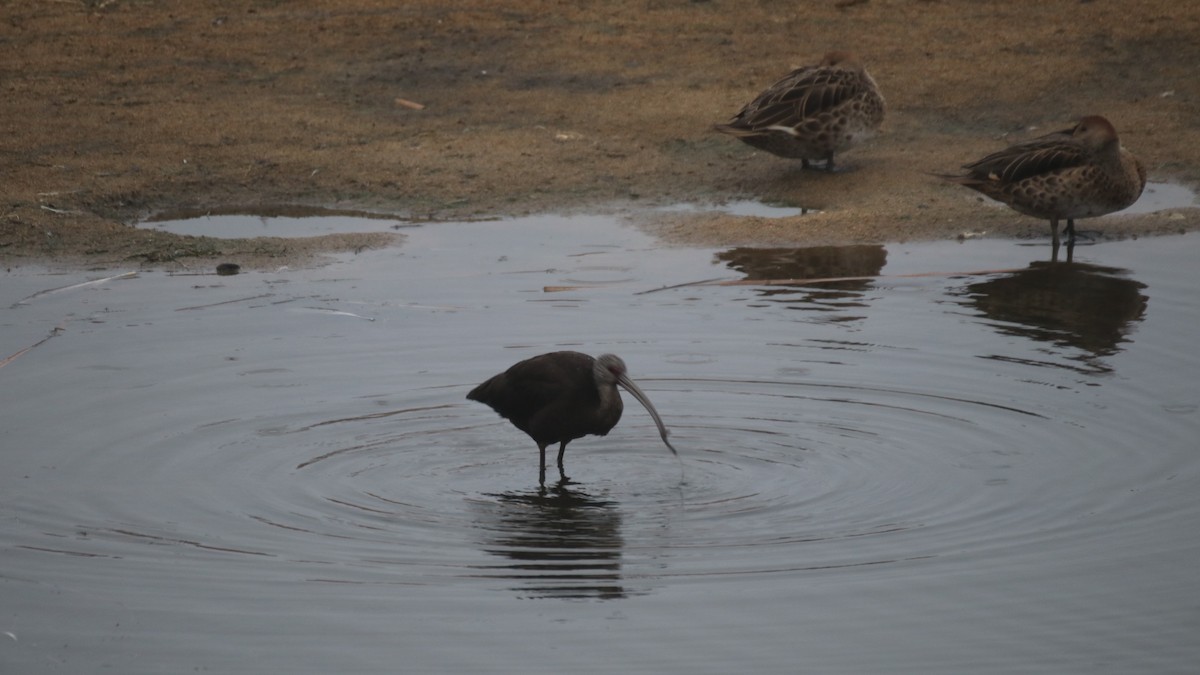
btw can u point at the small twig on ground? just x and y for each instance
(804, 282)
(224, 302)
(58, 330)
(51, 209)
(25, 301)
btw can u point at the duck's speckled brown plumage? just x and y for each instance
(1079, 172)
(812, 113)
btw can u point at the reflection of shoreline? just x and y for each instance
(832, 264)
(560, 542)
(1068, 305)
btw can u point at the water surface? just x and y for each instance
(945, 458)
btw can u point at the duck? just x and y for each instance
(1080, 172)
(813, 112)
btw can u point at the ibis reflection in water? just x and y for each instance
(554, 542)
(561, 396)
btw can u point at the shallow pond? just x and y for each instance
(945, 458)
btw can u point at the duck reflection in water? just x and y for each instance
(560, 542)
(813, 278)
(1069, 305)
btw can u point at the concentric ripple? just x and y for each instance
(1005, 458)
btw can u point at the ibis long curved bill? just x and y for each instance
(640, 395)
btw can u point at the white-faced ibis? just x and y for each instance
(561, 396)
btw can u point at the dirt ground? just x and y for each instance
(116, 110)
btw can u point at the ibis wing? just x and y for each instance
(528, 387)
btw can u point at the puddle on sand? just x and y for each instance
(1162, 196)
(744, 207)
(950, 465)
(293, 221)
(309, 222)
(284, 221)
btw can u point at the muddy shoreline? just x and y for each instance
(116, 111)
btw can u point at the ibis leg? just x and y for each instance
(561, 449)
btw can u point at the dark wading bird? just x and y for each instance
(561, 396)
(1079, 172)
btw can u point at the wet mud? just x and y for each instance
(117, 111)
